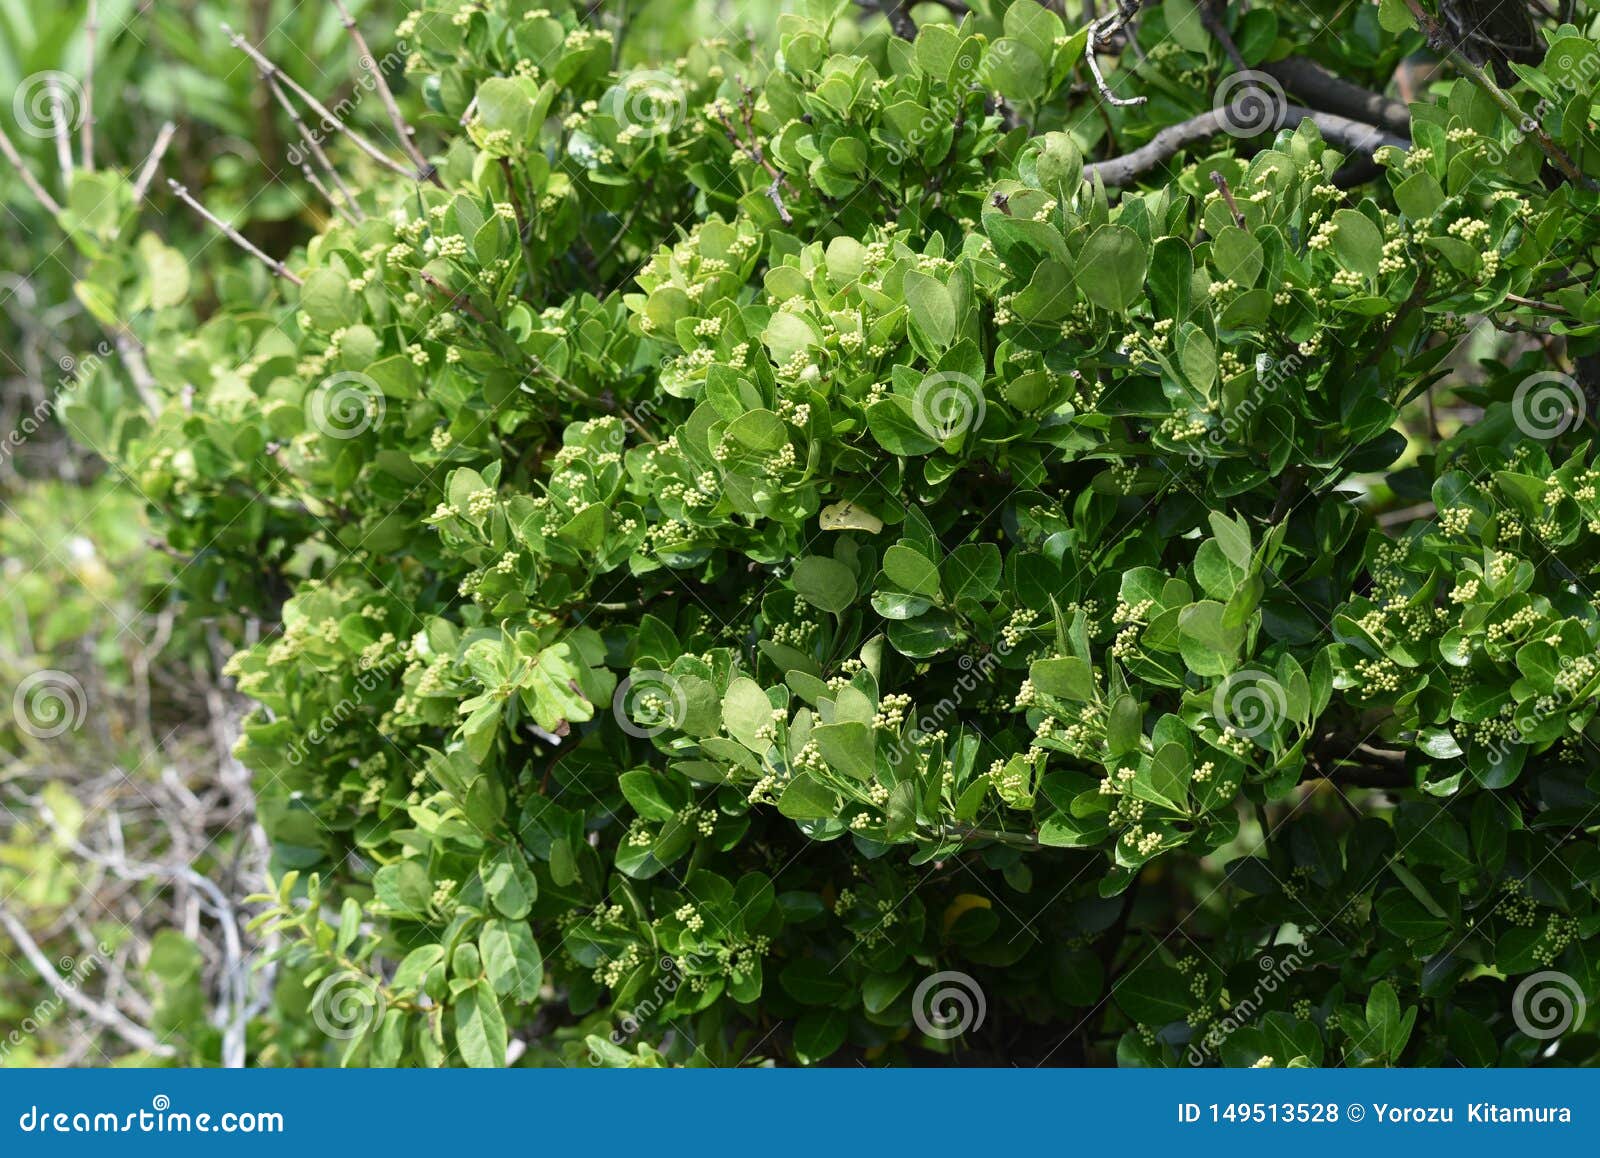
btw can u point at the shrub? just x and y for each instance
(874, 543)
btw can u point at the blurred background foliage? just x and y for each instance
(88, 593)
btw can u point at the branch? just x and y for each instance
(1440, 39)
(898, 13)
(157, 151)
(63, 131)
(91, 30)
(1100, 33)
(233, 234)
(1323, 90)
(113, 1019)
(271, 70)
(370, 63)
(312, 144)
(1341, 132)
(1349, 760)
(752, 150)
(131, 351)
(40, 193)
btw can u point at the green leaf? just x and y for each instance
(1237, 256)
(1386, 1022)
(825, 583)
(1396, 16)
(933, 310)
(848, 747)
(1111, 267)
(511, 959)
(1357, 242)
(505, 104)
(328, 301)
(1427, 834)
(819, 1033)
(480, 1028)
(814, 982)
(1153, 993)
(508, 881)
(746, 713)
(1419, 196)
(1208, 645)
(806, 799)
(909, 570)
(971, 572)
(1069, 679)
(893, 422)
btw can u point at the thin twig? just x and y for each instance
(1221, 183)
(1099, 33)
(131, 351)
(153, 161)
(233, 234)
(458, 301)
(312, 144)
(1533, 303)
(316, 183)
(1440, 39)
(58, 120)
(113, 1019)
(1213, 24)
(316, 106)
(752, 150)
(39, 192)
(91, 30)
(369, 62)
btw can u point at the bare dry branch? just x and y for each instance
(63, 131)
(111, 1018)
(151, 163)
(233, 234)
(91, 32)
(39, 192)
(271, 70)
(1341, 132)
(312, 144)
(369, 62)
